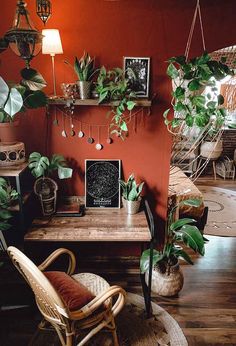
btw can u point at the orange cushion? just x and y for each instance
(74, 294)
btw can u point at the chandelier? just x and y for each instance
(44, 9)
(24, 39)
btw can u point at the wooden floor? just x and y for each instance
(205, 308)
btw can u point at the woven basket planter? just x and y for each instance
(166, 283)
(211, 150)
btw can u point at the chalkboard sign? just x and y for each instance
(102, 189)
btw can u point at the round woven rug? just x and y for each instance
(221, 220)
(133, 328)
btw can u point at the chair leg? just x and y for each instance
(114, 333)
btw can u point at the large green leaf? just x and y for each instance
(181, 222)
(35, 99)
(192, 202)
(172, 71)
(5, 214)
(4, 90)
(192, 237)
(182, 254)
(144, 260)
(64, 172)
(14, 102)
(38, 164)
(4, 226)
(32, 79)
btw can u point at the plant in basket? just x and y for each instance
(46, 188)
(196, 98)
(167, 278)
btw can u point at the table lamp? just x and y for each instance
(52, 45)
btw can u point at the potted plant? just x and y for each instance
(7, 196)
(46, 188)
(113, 86)
(85, 70)
(191, 106)
(167, 278)
(18, 97)
(131, 192)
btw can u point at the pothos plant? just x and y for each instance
(42, 166)
(112, 86)
(177, 232)
(18, 97)
(189, 78)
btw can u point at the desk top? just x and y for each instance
(97, 225)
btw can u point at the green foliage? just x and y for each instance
(111, 86)
(189, 104)
(43, 166)
(131, 190)
(181, 231)
(83, 67)
(7, 195)
(27, 94)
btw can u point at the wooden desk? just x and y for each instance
(99, 225)
(95, 225)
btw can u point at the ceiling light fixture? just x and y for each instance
(44, 9)
(24, 39)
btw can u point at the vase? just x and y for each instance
(84, 89)
(132, 207)
(166, 281)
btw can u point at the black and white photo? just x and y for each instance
(137, 70)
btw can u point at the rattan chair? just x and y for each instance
(96, 315)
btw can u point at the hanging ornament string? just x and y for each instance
(188, 45)
(99, 146)
(64, 134)
(81, 133)
(72, 131)
(55, 121)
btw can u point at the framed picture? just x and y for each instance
(137, 70)
(102, 188)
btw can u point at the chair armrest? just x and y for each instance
(51, 258)
(100, 299)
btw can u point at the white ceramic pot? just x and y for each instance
(211, 150)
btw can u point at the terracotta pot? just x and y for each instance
(166, 283)
(9, 131)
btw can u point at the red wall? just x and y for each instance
(110, 30)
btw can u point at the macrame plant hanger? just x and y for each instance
(188, 145)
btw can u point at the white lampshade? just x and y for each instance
(51, 42)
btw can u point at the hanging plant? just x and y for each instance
(112, 86)
(191, 105)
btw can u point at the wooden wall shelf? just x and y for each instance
(94, 102)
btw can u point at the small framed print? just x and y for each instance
(137, 70)
(102, 188)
